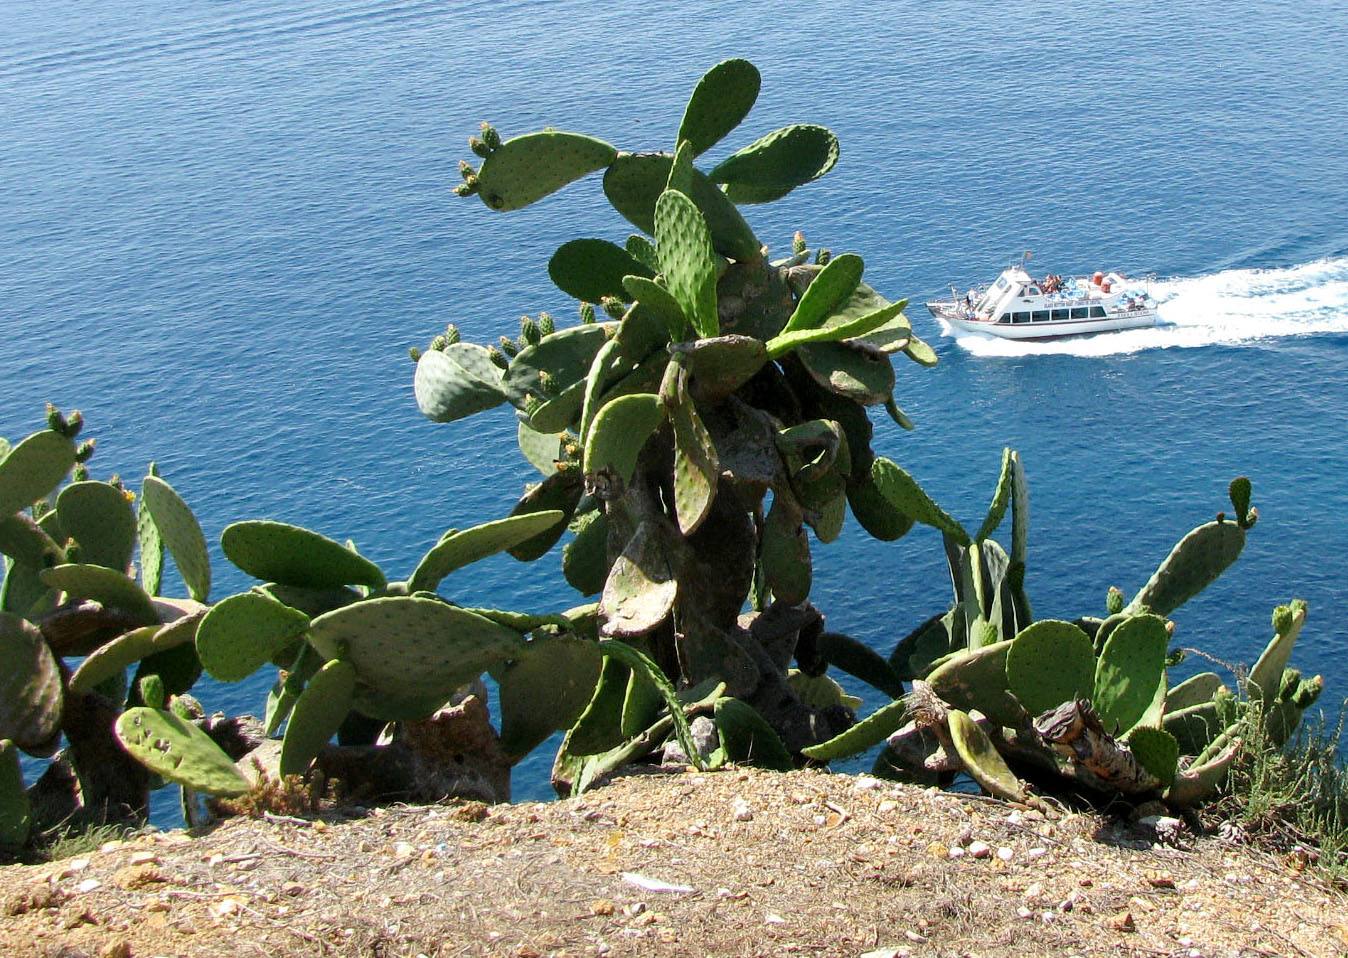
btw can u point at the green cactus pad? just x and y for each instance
(722, 99)
(831, 289)
(1194, 564)
(290, 555)
(565, 356)
(1194, 727)
(33, 469)
(978, 680)
(620, 428)
(820, 691)
(915, 653)
(779, 346)
(585, 558)
(181, 535)
(919, 352)
(1156, 750)
(560, 493)
(455, 382)
(696, 467)
(1240, 491)
(599, 727)
(643, 250)
(593, 269)
(241, 633)
(641, 587)
(1196, 690)
(640, 663)
(1130, 667)
(317, 715)
(458, 549)
(101, 584)
(635, 181)
(785, 553)
(641, 704)
(774, 165)
(413, 647)
(1001, 498)
(527, 168)
(659, 302)
(111, 660)
(748, 739)
(30, 686)
(877, 515)
(1201, 780)
(545, 689)
(1049, 663)
(852, 369)
(178, 751)
(99, 517)
(542, 449)
(312, 602)
(23, 540)
(151, 548)
(904, 494)
(982, 761)
(719, 365)
(15, 809)
(860, 661)
(24, 594)
(1267, 672)
(687, 259)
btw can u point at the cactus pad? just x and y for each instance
(1267, 671)
(1130, 669)
(720, 102)
(982, 761)
(978, 680)
(615, 439)
(527, 168)
(111, 660)
(15, 808)
(99, 517)
(455, 382)
(458, 549)
(290, 555)
(180, 533)
(179, 751)
(641, 587)
(774, 165)
(241, 633)
(904, 494)
(593, 269)
(687, 259)
(30, 686)
(23, 540)
(1194, 564)
(34, 468)
(1049, 663)
(317, 715)
(851, 369)
(565, 356)
(785, 553)
(1195, 690)
(748, 739)
(101, 584)
(545, 689)
(860, 661)
(413, 647)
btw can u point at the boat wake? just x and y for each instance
(1232, 307)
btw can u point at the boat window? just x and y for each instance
(1020, 318)
(1004, 318)
(1059, 314)
(1034, 290)
(1079, 312)
(1040, 315)
(1097, 312)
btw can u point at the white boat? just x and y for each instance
(1018, 306)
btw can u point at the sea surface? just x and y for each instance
(222, 224)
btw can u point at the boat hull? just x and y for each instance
(1130, 319)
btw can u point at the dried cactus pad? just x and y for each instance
(414, 647)
(279, 552)
(179, 751)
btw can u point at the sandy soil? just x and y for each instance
(740, 863)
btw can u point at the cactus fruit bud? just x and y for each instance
(497, 359)
(509, 347)
(822, 257)
(798, 242)
(466, 189)
(452, 334)
(478, 147)
(1291, 678)
(466, 171)
(613, 306)
(414, 353)
(529, 331)
(587, 313)
(548, 383)
(152, 691)
(490, 138)
(55, 421)
(80, 474)
(532, 404)
(1114, 601)
(439, 343)
(73, 547)
(85, 451)
(74, 423)
(546, 325)
(1282, 619)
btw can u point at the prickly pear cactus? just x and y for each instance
(176, 749)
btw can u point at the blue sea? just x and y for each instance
(222, 224)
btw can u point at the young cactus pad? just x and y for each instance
(720, 102)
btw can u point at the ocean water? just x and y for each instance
(222, 224)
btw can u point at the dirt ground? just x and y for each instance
(737, 863)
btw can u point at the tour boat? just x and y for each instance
(1018, 306)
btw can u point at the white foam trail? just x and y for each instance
(1228, 308)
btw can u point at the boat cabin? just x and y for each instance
(1016, 297)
